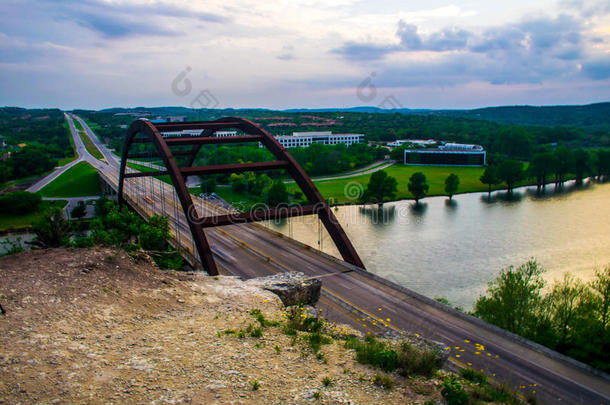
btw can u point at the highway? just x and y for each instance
(371, 304)
(81, 152)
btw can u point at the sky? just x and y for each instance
(303, 53)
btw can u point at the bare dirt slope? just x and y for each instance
(96, 326)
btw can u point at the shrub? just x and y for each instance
(258, 315)
(255, 385)
(473, 376)
(297, 319)
(374, 352)
(382, 380)
(83, 241)
(453, 392)
(254, 332)
(316, 340)
(414, 360)
(51, 229)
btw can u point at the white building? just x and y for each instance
(304, 139)
(418, 142)
(197, 132)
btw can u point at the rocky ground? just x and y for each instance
(97, 326)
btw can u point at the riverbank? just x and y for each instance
(347, 191)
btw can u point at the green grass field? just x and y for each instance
(145, 169)
(435, 176)
(335, 190)
(91, 148)
(93, 125)
(79, 180)
(78, 125)
(16, 222)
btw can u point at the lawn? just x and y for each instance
(435, 175)
(91, 148)
(145, 169)
(79, 180)
(15, 222)
(335, 190)
(78, 125)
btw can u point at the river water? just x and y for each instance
(453, 249)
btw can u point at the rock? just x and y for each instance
(293, 288)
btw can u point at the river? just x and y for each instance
(453, 249)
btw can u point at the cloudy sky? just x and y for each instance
(303, 53)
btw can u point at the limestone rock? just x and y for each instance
(293, 288)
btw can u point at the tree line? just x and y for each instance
(510, 140)
(45, 136)
(571, 316)
(112, 226)
(559, 163)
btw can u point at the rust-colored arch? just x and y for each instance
(179, 182)
(178, 175)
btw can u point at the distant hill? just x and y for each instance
(591, 117)
(363, 109)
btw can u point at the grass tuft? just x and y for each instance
(382, 380)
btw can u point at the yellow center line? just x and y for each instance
(336, 295)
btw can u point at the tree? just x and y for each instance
(510, 171)
(208, 185)
(19, 202)
(380, 186)
(451, 184)
(51, 229)
(540, 166)
(564, 162)
(490, 177)
(602, 163)
(601, 285)
(513, 300)
(29, 161)
(568, 302)
(418, 186)
(79, 211)
(277, 193)
(582, 164)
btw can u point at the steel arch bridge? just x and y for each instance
(152, 133)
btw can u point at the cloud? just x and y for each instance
(117, 20)
(364, 51)
(532, 50)
(598, 69)
(447, 39)
(287, 53)
(117, 27)
(587, 9)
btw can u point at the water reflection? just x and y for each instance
(551, 191)
(418, 209)
(451, 205)
(509, 197)
(379, 214)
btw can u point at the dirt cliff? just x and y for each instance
(98, 326)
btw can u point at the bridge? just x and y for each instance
(354, 296)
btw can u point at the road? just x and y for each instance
(372, 168)
(373, 304)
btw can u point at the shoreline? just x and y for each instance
(585, 184)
